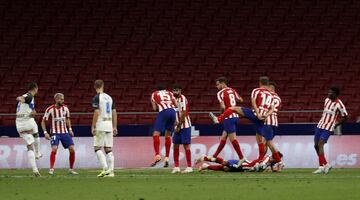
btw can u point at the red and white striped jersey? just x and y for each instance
(272, 120)
(263, 98)
(163, 99)
(183, 106)
(332, 109)
(229, 96)
(58, 118)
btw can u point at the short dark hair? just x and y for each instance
(98, 84)
(272, 83)
(222, 80)
(32, 85)
(161, 87)
(336, 90)
(176, 86)
(264, 80)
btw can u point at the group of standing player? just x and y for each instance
(173, 119)
(104, 127)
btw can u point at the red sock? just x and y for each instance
(176, 156)
(188, 157)
(261, 151)
(252, 164)
(237, 148)
(216, 167)
(276, 156)
(220, 148)
(72, 159)
(322, 160)
(219, 160)
(226, 114)
(167, 146)
(156, 141)
(52, 159)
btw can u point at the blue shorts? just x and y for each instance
(183, 137)
(66, 140)
(267, 132)
(230, 125)
(231, 163)
(250, 115)
(275, 130)
(165, 120)
(321, 134)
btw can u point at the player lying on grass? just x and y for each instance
(262, 108)
(236, 166)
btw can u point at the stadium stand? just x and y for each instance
(303, 45)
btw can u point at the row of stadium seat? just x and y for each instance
(305, 46)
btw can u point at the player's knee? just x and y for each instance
(97, 149)
(36, 135)
(108, 150)
(71, 149)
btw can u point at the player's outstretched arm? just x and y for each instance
(114, 122)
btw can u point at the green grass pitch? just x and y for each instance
(158, 184)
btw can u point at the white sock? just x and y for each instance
(110, 160)
(31, 157)
(101, 157)
(37, 145)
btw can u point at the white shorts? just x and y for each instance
(26, 126)
(29, 138)
(103, 139)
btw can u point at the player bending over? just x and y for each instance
(61, 131)
(164, 102)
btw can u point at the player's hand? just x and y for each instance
(33, 113)
(47, 136)
(115, 131)
(260, 117)
(177, 129)
(93, 131)
(71, 133)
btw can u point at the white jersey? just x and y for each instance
(183, 106)
(105, 104)
(58, 118)
(23, 110)
(332, 109)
